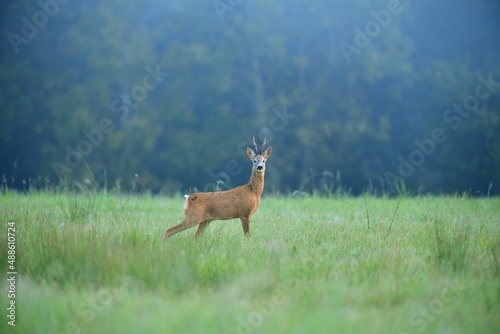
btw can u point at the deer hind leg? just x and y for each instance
(188, 222)
(201, 228)
(245, 222)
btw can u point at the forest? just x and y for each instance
(360, 96)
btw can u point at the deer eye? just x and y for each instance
(255, 161)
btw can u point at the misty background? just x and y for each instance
(165, 95)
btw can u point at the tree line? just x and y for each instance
(353, 96)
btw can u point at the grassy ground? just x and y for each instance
(97, 264)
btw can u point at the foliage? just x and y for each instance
(228, 79)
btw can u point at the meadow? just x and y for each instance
(96, 263)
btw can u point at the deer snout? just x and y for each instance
(260, 167)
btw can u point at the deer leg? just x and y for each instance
(201, 228)
(245, 222)
(186, 223)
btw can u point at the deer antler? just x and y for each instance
(263, 145)
(255, 145)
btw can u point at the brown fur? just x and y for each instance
(240, 202)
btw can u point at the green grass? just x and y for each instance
(97, 264)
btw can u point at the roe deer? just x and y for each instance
(241, 202)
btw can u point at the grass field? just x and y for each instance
(97, 264)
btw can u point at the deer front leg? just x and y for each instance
(201, 228)
(245, 222)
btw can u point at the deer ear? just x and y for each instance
(267, 153)
(251, 154)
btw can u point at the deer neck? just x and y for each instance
(256, 183)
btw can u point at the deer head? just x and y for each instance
(259, 157)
